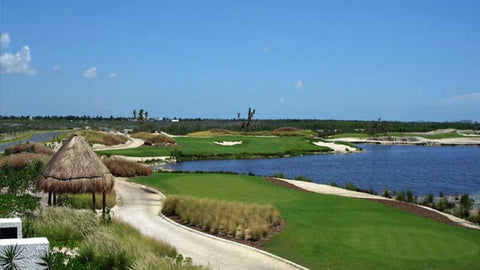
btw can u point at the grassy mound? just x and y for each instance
(29, 148)
(239, 220)
(20, 160)
(160, 140)
(124, 168)
(84, 201)
(332, 232)
(96, 137)
(142, 135)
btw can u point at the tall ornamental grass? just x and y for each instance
(124, 168)
(239, 220)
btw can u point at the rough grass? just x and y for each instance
(142, 135)
(104, 246)
(11, 204)
(204, 148)
(125, 168)
(96, 137)
(84, 201)
(18, 161)
(239, 220)
(28, 147)
(284, 131)
(160, 140)
(332, 232)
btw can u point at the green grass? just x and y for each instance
(84, 200)
(206, 148)
(331, 232)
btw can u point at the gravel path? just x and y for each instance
(132, 143)
(140, 207)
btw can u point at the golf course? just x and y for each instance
(209, 148)
(333, 232)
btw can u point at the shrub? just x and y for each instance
(124, 168)
(20, 180)
(279, 175)
(350, 186)
(465, 206)
(160, 140)
(444, 204)
(303, 178)
(386, 193)
(400, 196)
(17, 205)
(241, 220)
(409, 195)
(84, 201)
(20, 160)
(429, 200)
(29, 148)
(334, 184)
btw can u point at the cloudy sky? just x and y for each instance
(398, 60)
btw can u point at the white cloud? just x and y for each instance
(55, 68)
(90, 73)
(112, 75)
(4, 40)
(17, 63)
(283, 100)
(266, 49)
(298, 84)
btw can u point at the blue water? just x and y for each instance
(423, 169)
(42, 137)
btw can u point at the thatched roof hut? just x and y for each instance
(75, 168)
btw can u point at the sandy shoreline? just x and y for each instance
(470, 141)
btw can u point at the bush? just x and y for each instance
(409, 196)
(20, 180)
(29, 148)
(124, 168)
(20, 160)
(386, 193)
(350, 186)
(279, 175)
(303, 178)
(84, 201)
(444, 205)
(160, 140)
(400, 196)
(11, 205)
(465, 206)
(429, 200)
(240, 220)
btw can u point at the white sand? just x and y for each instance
(142, 159)
(229, 143)
(131, 143)
(339, 148)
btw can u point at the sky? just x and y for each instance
(395, 60)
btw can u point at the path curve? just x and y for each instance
(131, 143)
(140, 208)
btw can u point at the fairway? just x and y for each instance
(205, 148)
(331, 232)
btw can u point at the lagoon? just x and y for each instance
(423, 169)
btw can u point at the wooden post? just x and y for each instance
(94, 203)
(54, 198)
(49, 198)
(103, 204)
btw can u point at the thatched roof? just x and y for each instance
(75, 168)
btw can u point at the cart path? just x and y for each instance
(140, 208)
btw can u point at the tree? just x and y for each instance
(250, 115)
(146, 115)
(238, 116)
(140, 116)
(465, 206)
(134, 114)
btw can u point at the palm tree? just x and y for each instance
(146, 115)
(134, 114)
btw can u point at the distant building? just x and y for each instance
(175, 120)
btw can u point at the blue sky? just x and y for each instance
(398, 60)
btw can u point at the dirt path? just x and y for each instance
(140, 208)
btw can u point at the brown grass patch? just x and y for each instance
(28, 147)
(18, 161)
(160, 140)
(237, 220)
(142, 135)
(286, 129)
(124, 168)
(96, 137)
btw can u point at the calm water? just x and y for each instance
(423, 169)
(42, 137)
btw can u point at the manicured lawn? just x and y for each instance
(251, 146)
(331, 232)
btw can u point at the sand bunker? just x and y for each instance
(229, 143)
(340, 148)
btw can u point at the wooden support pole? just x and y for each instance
(94, 203)
(103, 203)
(49, 198)
(54, 198)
